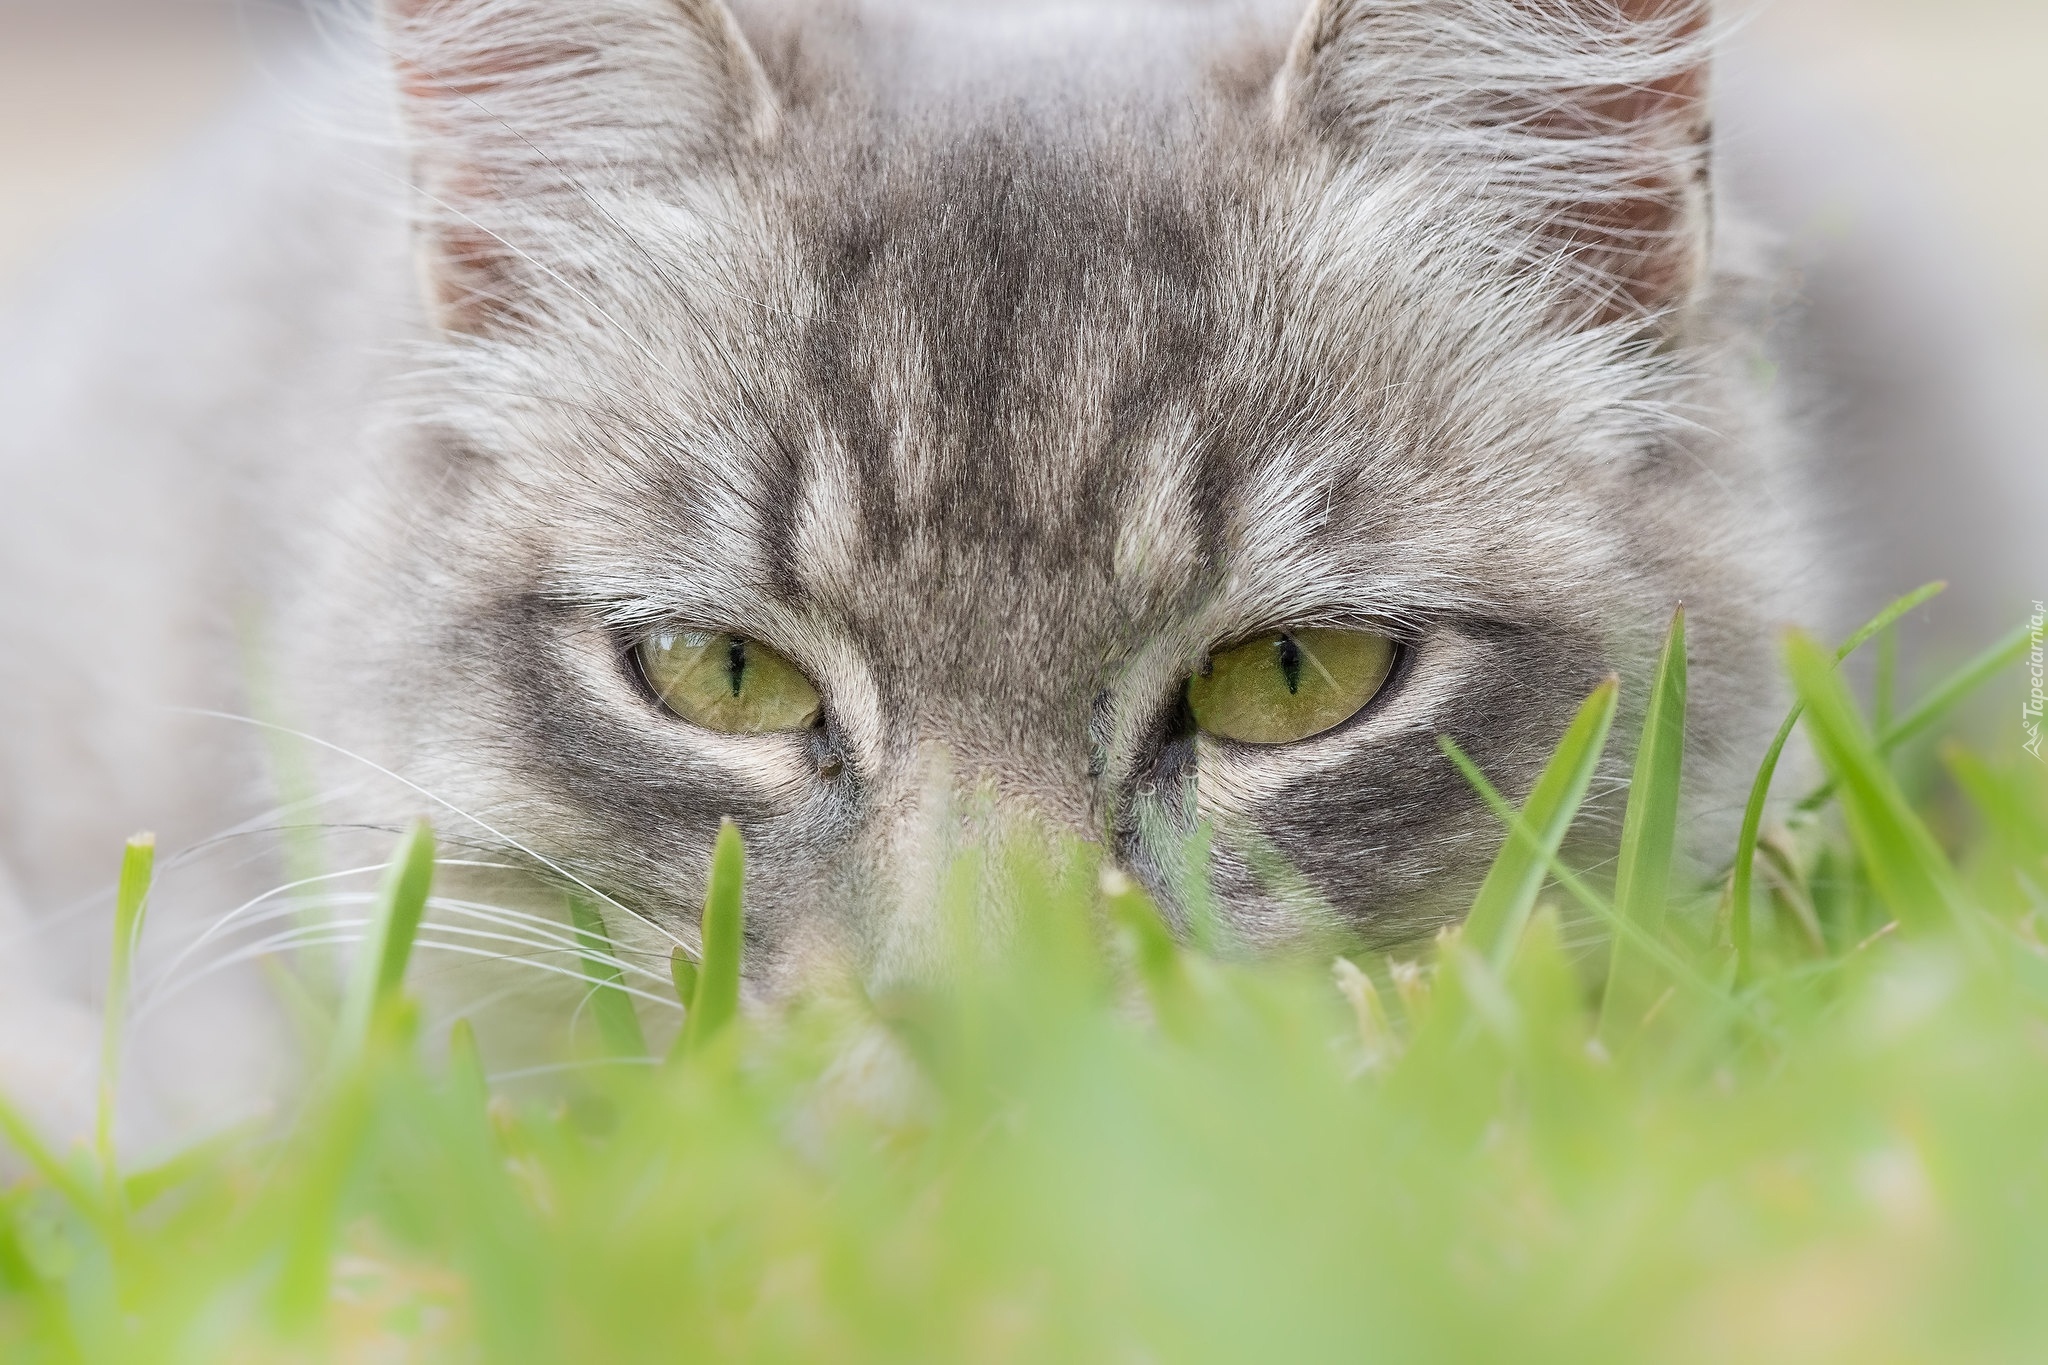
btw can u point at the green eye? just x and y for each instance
(727, 683)
(1290, 685)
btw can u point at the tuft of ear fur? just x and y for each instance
(517, 109)
(1583, 123)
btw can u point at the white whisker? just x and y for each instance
(445, 804)
(665, 1001)
(346, 932)
(563, 936)
(239, 918)
(234, 919)
(332, 934)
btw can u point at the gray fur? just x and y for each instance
(991, 363)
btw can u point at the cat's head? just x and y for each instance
(1144, 420)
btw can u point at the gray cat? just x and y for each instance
(1156, 423)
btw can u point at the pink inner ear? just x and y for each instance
(483, 60)
(469, 266)
(487, 70)
(1643, 239)
(1658, 103)
(515, 104)
(1613, 177)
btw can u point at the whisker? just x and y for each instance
(486, 935)
(332, 934)
(233, 919)
(445, 804)
(476, 1007)
(564, 939)
(665, 1001)
(343, 933)
(251, 830)
(236, 918)
(553, 937)
(102, 896)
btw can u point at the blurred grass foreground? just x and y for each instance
(1800, 1115)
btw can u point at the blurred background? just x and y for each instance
(1956, 91)
(92, 92)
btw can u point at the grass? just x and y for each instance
(1099, 1144)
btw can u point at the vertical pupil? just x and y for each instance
(1290, 664)
(736, 662)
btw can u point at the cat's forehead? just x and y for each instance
(994, 334)
(1077, 387)
(1118, 355)
(987, 345)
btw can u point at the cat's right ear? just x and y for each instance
(1584, 124)
(519, 112)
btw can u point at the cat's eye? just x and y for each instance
(727, 683)
(1290, 685)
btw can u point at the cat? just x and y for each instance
(1154, 423)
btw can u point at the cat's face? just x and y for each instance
(967, 433)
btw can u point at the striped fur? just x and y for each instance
(992, 363)
(996, 401)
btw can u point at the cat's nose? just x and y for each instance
(943, 852)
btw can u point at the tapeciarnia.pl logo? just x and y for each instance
(2037, 677)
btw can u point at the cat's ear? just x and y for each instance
(1585, 120)
(519, 111)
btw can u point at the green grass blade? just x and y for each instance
(1742, 878)
(1650, 947)
(1889, 617)
(1911, 874)
(1509, 893)
(466, 1074)
(1155, 954)
(617, 1024)
(682, 974)
(145, 1187)
(1884, 688)
(1746, 841)
(387, 948)
(717, 997)
(1377, 1040)
(2019, 823)
(21, 1135)
(138, 870)
(1649, 831)
(2007, 651)
(2015, 848)
(314, 1200)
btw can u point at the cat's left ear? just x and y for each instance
(1586, 120)
(522, 110)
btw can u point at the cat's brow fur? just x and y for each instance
(993, 363)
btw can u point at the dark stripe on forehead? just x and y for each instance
(847, 240)
(1000, 325)
(778, 502)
